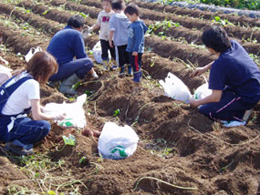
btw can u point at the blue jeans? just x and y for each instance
(80, 67)
(27, 131)
(230, 107)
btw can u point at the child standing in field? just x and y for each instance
(118, 26)
(103, 23)
(135, 45)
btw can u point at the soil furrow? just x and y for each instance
(188, 22)
(190, 35)
(20, 42)
(50, 13)
(171, 49)
(196, 13)
(48, 26)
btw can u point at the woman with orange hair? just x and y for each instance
(21, 94)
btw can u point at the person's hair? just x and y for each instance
(41, 66)
(109, 1)
(132, 9)
(76, 21)
(215, 37)
(118, 4)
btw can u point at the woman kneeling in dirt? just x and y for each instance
(18, 96)
(234, 79)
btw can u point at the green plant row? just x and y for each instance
(240, 4)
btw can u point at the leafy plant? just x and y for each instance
(162, 26)
(241, 4)
(116, 112)
(224, 22)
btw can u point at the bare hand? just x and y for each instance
(194, 103)
(134, 53)
(110, 44)
(60, 117)
(197, 72)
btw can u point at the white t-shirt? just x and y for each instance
(103, 22)
(20, 98)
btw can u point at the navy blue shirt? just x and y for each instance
(136, 37)
(67, 44)
(234, 69)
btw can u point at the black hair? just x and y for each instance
(215, 37)
(76, 21)
(132, 9)
(118, 4)
(109, 1)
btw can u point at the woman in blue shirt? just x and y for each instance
(234, 78)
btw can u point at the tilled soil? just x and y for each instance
(204, 157)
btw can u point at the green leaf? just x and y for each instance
(83, 160)
(71, 140)
(217, 18)
(51, 192)
(45, 12)
(116, 112)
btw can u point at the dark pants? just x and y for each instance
(26, 130)
(135, 61)
(80, 67)
(105, 47)
(230, 107)
(123, 57)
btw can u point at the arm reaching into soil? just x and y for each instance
(214, 97)
(199, 71)
(37, 113)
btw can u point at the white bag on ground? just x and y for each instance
(175, 88)
(31, 52)
(5, 74)
(116, 142)
(97, 52)
(75, 114)
(202, 91)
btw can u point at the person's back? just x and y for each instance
(234, 80)
(67, 44)
(240, 72)
(118, 26)
(64, 46)
(119, 23)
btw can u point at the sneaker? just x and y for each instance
(233, 123)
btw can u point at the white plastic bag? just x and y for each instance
(116, 142)
(31, 52)
(202, 91)
(75, 114)
(5, 74)
(97, 52)
(175, 88)
(86, 32)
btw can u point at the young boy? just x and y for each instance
(103, 23)
(234, 79)
(135, 45)
(118, 26)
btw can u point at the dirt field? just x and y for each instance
(180, 151)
